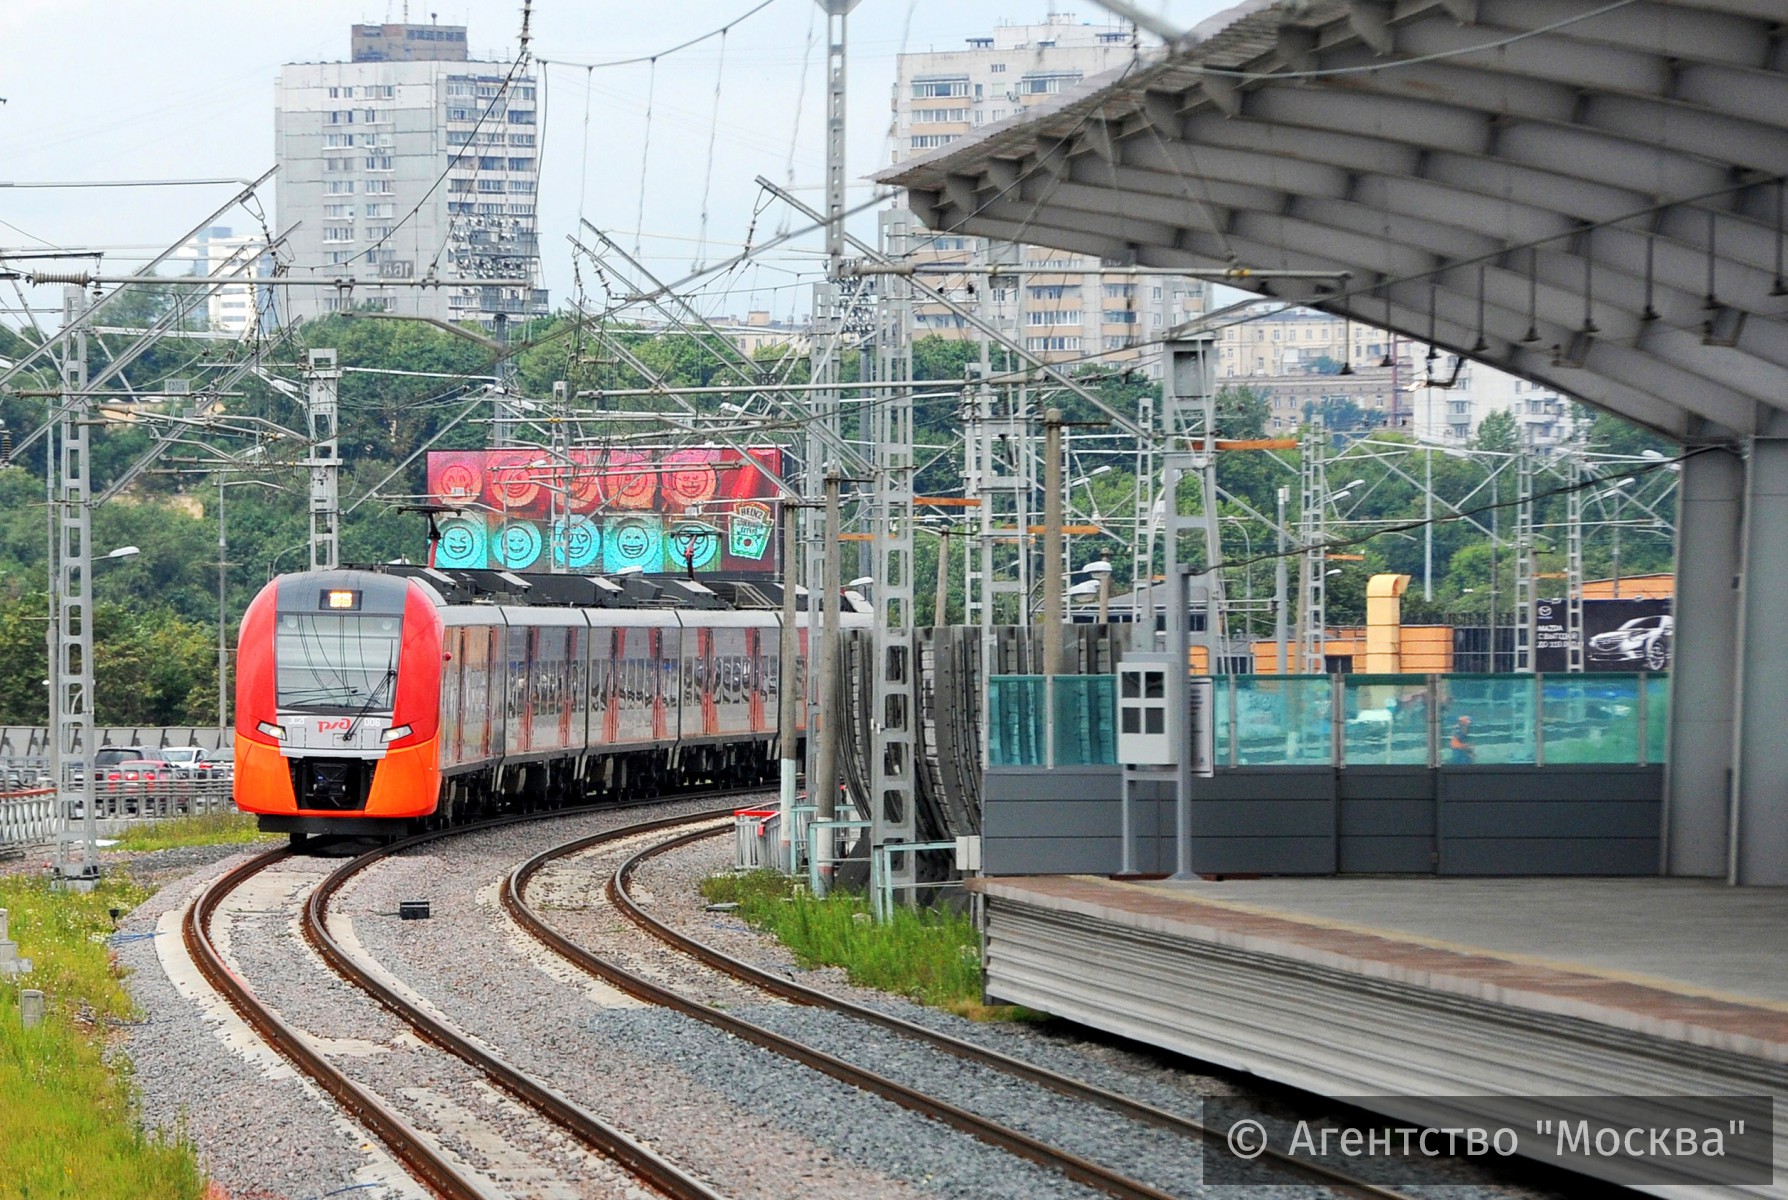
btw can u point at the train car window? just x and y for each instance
(330, 661)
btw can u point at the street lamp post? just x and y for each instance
(1100, 569)
(223, 573)
(1280, 615)
(89, 820)
(1615, 494)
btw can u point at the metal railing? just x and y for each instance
(817, 882)
(882, 881)
(177, 797)
(29, 809)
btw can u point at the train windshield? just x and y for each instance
(332, 661)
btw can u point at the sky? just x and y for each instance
(109, 90)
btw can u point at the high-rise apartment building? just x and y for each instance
(1060, 306)
(1294, 358)
(410, 162)
(233, 307)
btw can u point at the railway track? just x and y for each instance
(1070, 1165)
(1013, 1141)
(415, 1151)
(441, 1173)
(1055, 1081)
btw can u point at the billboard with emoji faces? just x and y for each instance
(705, 509)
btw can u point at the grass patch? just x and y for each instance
(217, 828)
(930, 956)
(67, 1122)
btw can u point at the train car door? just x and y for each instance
(707, 683)
(659, 652)
(515, 689)
(758, 675)
(577, 686)
(606, 663)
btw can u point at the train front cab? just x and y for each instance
(337, 710)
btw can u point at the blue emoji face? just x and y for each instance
(694, 545)
(518, 545)
(577, 543)
(461, 544)
(633, 542)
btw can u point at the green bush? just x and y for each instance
(933, 957)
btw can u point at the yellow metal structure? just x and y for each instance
(1384, 624)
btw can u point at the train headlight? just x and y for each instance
(277, 732)
(395, 732)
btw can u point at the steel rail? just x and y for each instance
(410, 1149)
(609, 1140)
(1077, 1089)
(1000, 1136)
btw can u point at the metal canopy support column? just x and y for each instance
(892, 801)
(1703, 678)
(1313, 535)
(1759, 836)
(324, 462)
(1525, 614)
(71, 672)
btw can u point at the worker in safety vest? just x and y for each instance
(1460, 743)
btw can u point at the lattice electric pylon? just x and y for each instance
(324, 462)
(1313, 537)
(893, 732)
(71, 638)
(1526, 631)
(1574, 561)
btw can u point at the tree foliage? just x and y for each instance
(411, 385)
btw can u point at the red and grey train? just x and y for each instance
(376, 701)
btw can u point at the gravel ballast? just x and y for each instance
(753, 1123)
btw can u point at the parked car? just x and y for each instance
(1643, 641)
(127, 773)
(19, 778)
(196, 762)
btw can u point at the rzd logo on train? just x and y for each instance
(331, 726)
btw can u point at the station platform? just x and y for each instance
(1369, 988)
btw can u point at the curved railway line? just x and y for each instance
(415, 1151)
(1070, 1165)
(441, 1173)
(1055, 1081)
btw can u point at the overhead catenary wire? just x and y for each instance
(794, 137)
(645, 152)
(653, 58)
(713, 130)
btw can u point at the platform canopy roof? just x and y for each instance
(1584, 193)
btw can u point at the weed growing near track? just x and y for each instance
(67, 1124)
(222, 827)
(931, 956)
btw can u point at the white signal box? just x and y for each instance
(1145, 738)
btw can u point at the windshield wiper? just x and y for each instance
(372, 698)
